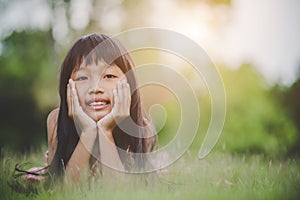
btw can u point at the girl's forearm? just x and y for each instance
(79, 161)
(108, 150)
(82, 153)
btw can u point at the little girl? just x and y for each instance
(98, 94)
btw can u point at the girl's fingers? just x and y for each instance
(124, 97)
(125, 90)
(74, 98)
(69, 102)
(81, 119)
(127, 95)
(116, 100)
(71, 97)
(120, 90)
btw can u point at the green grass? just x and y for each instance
(219, 176)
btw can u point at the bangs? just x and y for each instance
(92, 50)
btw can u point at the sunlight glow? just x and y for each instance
(80, 13)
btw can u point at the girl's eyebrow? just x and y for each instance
(105, 67)
(109, 67)
(81, 69)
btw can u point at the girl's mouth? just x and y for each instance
(98, 104)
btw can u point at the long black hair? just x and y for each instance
(86, 50)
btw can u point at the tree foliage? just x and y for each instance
(25, 56)
(289, 99)
(256, 121)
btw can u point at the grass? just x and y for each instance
(219, 176)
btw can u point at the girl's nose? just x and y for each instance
(96, 87)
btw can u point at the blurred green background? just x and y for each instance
(263, 112)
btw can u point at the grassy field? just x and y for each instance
(219, 176)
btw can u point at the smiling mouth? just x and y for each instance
(98, 105)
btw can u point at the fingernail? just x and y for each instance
(123, 80)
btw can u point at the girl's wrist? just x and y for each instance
(89, 130)
(103, 131)
(105, 128)
(88, 135)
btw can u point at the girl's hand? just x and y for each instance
(121, 106)
(75, 111)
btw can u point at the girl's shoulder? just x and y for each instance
(52, 117)
(52, 123)
(52, 132)
(150, 135)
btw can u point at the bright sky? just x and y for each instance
(266, 33)
(263, 32)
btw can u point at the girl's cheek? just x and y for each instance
(110, 86)
(81, 102)
(80, 94)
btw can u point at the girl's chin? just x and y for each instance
(97, 116)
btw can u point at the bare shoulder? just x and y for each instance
(52, 132)
(151, 135)
(52, 117)
(52, 123)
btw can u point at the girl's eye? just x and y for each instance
(81, 78)
(110, 76)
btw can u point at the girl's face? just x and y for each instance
(95, 84)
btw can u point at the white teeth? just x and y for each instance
(99, 103)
